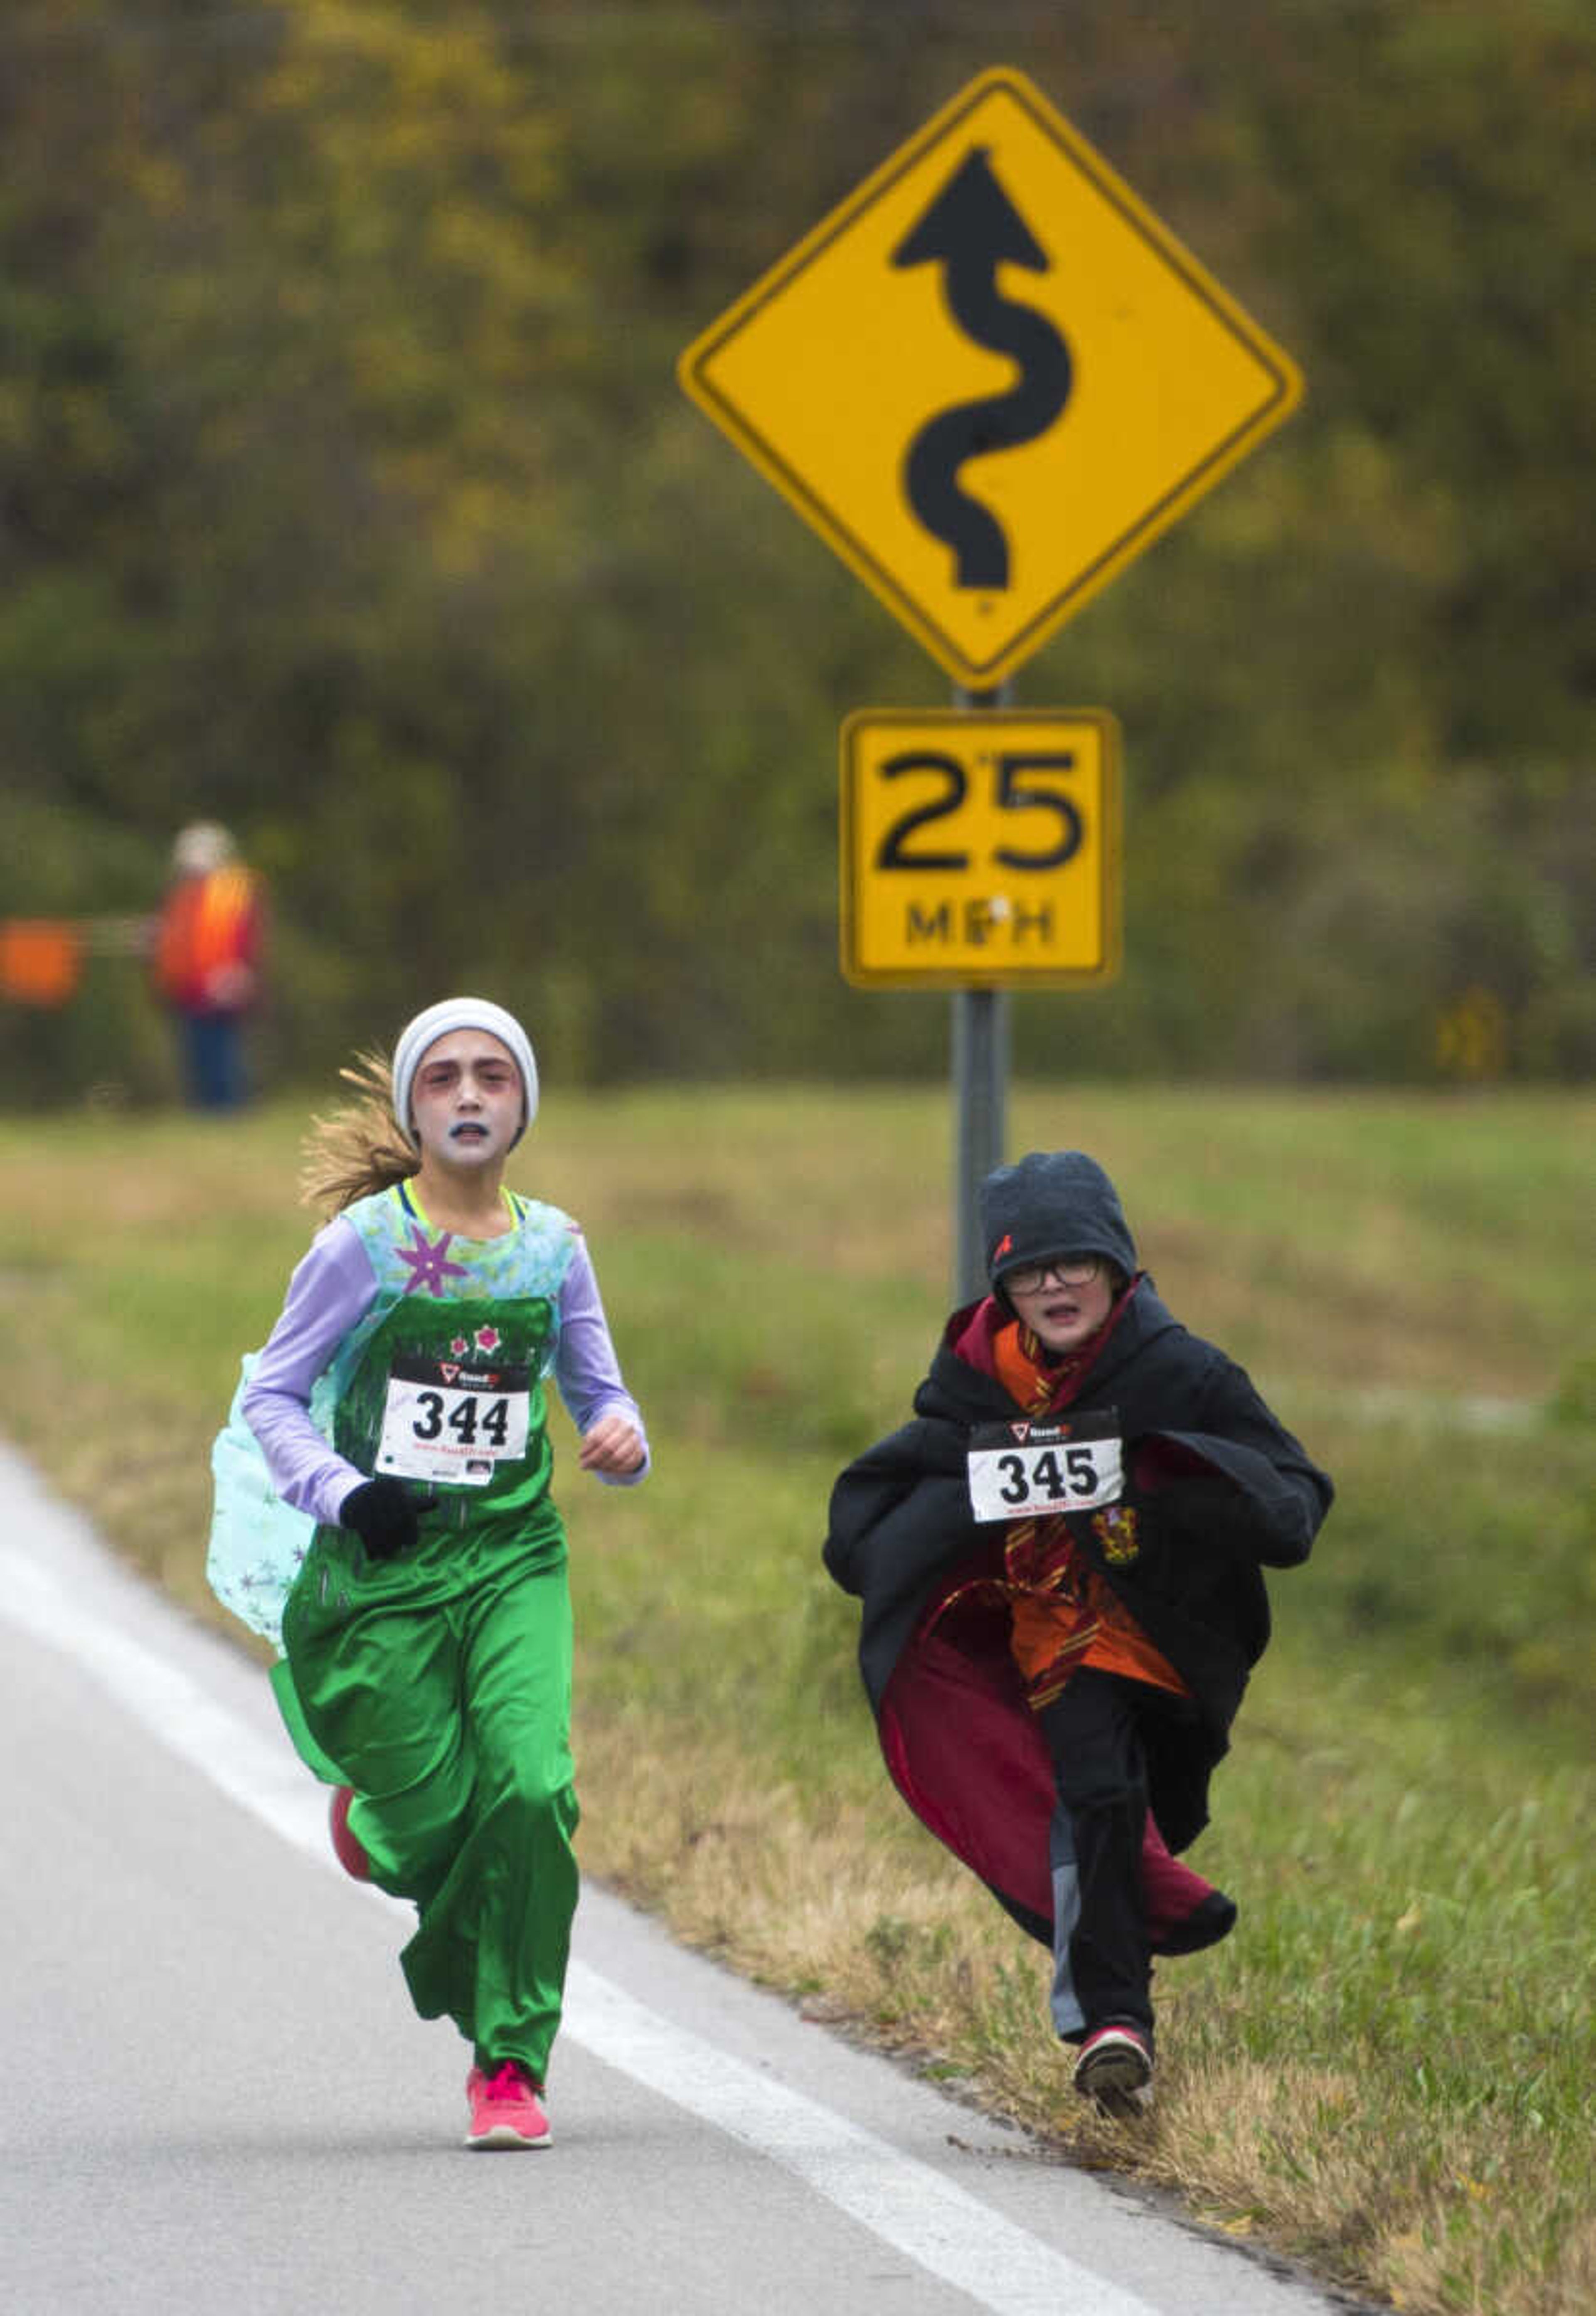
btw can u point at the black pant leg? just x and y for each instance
(1100, 1770)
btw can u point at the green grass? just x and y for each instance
(1388, 2068)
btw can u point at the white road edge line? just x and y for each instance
(919, 2211)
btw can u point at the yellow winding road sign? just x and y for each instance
(990, 377)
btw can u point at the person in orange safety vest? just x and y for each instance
(206, 960)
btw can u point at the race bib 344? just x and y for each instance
(445, 1421)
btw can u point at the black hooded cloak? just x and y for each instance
(1220, 1490)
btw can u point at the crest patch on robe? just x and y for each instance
(1116, 1530)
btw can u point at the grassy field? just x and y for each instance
(1387, 2070)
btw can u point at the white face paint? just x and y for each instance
(466, 1101)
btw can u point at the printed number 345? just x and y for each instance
(1023, 1477)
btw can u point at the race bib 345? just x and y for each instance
(1022, 1468)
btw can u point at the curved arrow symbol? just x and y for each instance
(969, 229)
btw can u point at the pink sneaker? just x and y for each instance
(505, 2108)
(345, 1847)
(1115, 2068)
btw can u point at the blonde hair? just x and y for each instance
(359, 1149)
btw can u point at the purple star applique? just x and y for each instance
(428, 1267)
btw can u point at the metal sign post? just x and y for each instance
(980, 1050)
(980, 1101)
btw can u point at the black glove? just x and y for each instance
(382, 1514)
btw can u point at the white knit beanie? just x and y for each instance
(462, 1013)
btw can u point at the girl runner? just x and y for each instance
(404, 1550)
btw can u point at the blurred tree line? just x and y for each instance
(346, 495)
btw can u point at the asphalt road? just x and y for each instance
(214, 2094)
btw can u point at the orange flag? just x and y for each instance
(40, 959)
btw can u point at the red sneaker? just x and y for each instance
(505, 2108)
(345, 1847)
(1115, 2068)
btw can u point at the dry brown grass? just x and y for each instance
(873, 1932)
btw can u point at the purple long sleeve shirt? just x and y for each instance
(331, 1290)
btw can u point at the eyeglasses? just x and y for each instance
(1065, 1270)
